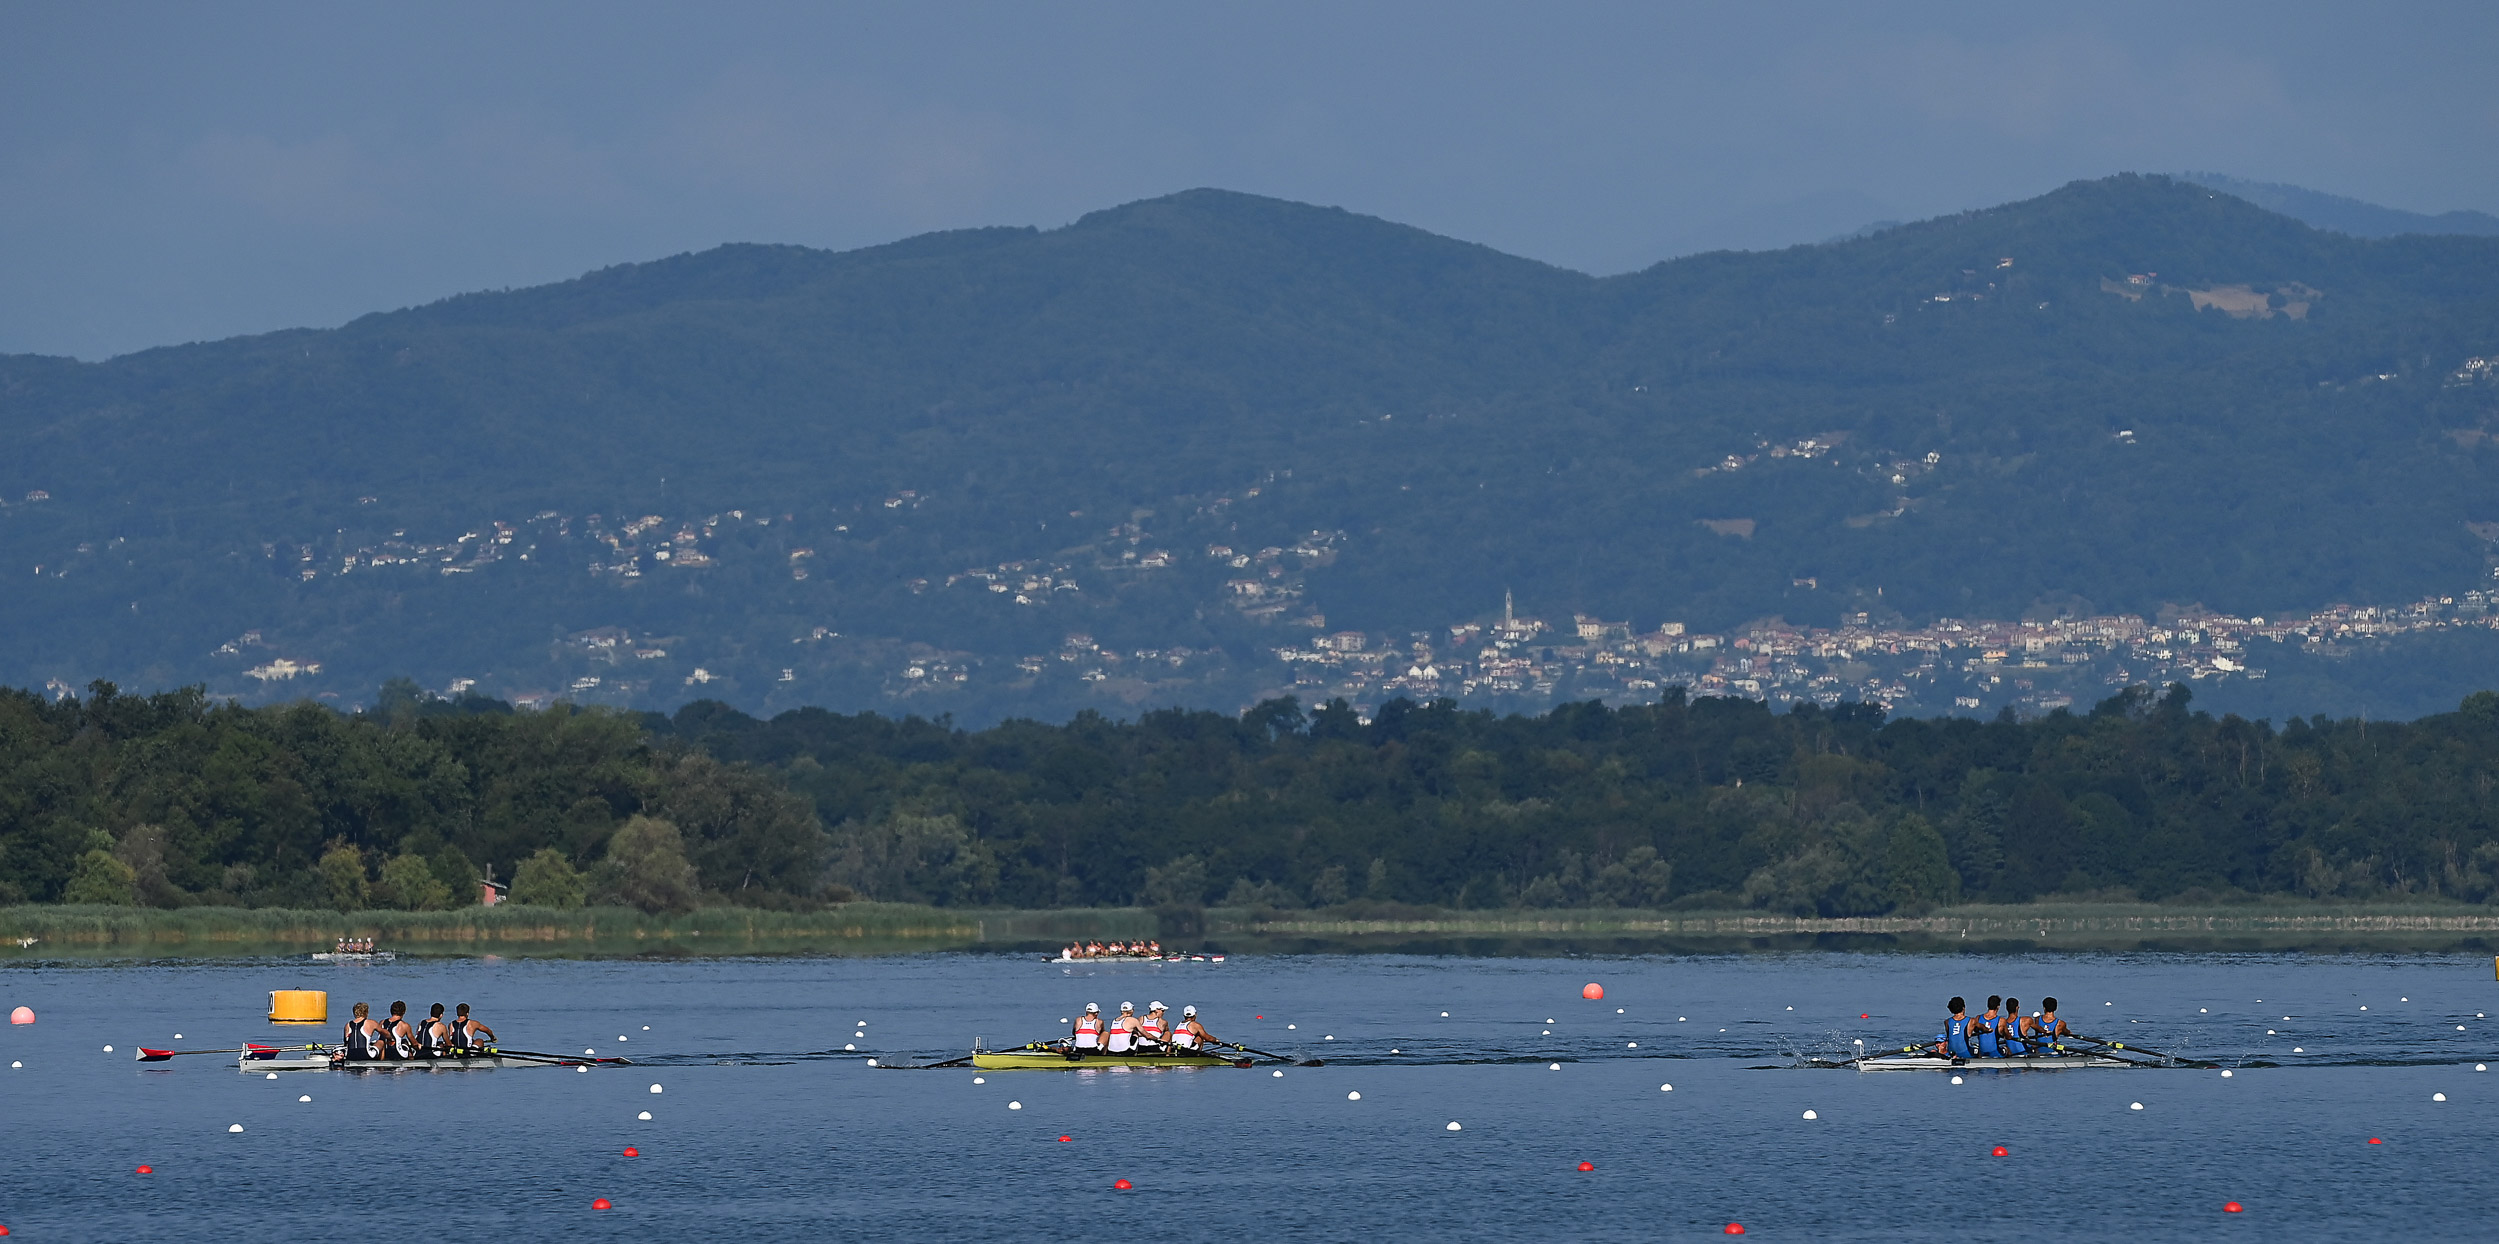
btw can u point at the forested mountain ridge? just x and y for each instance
(1713, 803)
(784, 476)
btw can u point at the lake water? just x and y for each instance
(766, 1130)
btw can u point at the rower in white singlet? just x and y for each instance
(1088, 1034)
(1154, 1030)
(1123, 1035)
(1190, 1034)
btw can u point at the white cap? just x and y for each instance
(1188, 1010)
(1093, 1008)
(1155, 1006)
(1127, 1006)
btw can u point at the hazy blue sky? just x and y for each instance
(171, 172)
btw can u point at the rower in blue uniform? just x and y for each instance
(1983, 1029)
(2011, 1038)
(2046, 1027)
(1954, 1040)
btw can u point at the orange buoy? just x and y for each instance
(22, 1015)
(1592, 991)
(1735, 1228)
(1587, 1166)
(1123, 1185)
(632, 1152)
(601, 1203)
(2230, 1207)
(147, 1170)
(1065, 1139)
(1997, 1152)
(1863, 1015)
(2375, 1141)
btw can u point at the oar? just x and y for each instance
(2136, 1049)
(1298, 1062)
(500, 1052)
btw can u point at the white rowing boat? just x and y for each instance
(1138, 959)
(353, 956)
(1930, 1062)
(321, 1062)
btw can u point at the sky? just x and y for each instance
(180, 172)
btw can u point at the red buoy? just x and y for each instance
(632, 1152)
(1123, 1185)
(1863, 1015)
(1735, 1228)
(150, 1170)
(1587, 1166)
(1592, 991)
(1064, 1139)
(2230, 1207)
(601, 1203)
(2375, 1141)
(1997, 1152)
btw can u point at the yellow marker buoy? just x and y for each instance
(299, 1006)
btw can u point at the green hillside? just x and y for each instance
(2126, 395)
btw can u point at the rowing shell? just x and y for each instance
(354, 956)
(1138, 959)
(321, 1062)
(1051, 1060)
(1929, 1062)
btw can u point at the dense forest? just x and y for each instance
(790, 476)
(176, 799)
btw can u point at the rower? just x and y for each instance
(2046, 1028)
(363, 1040)
(398, 1040)
(1154, 1030)
(1155, 949)
(433, 1035)
(2014, 1046)
(1088, 1032)
(1954, 1040)
(1124, 1029)
(1190, 1034)
(467, 1033)
(1983, 1029)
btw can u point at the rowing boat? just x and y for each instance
(321, 1062)
(353, 956)
(1930, 1062)
(1138, 959)
(1053, 1060)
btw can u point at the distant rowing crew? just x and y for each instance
(1113, 950)
(1129, 1034)
(397, 1040)
(2002, 1032)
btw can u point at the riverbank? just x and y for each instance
(40, 932)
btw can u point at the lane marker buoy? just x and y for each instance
(1956, 1079)
(147, 1170)
(1453, 1126)
(108, 1049)
(305, 1097)
(645, 1116)
(1593, 992)
(1122, 1184)
(2375, 1141)
(1356, 1096)
(1015, 1105)
(1665, 1088)
(1735, 1228)
(2438, 1097)
(601, 1203)
(979, 1080)
(1997, 1152)
(1587, 1166)
(232, 1128)
(1631, 1045)
(1553, 1067)
(273, 1075)
(632, 1152)
(2230, 1207)
(1811, 1115)
(654, 1088)
(1067, 1140)
(2225, 1074)
(1279, 1075)
(22, 1015)
(2135, 1106)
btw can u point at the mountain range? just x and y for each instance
(946, 475)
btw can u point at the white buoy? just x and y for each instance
(2459, 1027)
(2298, 1049)
(2136, 1106)
(645, 1116)
(1791, 1008)
(1956, 1079)
(1665, 1088)
(1279, 1075)
(1353, 1097)
(2269, 1032)
(273, 1075)
(591, 1052)
(1631, 1045)
(2225, 1074)
(1811, 1115)
(1679, 1019)
(1553, 1066)
(177, 1036)
(1453, 1126)
(582, 1070)
(1015, 1105)
(234, 1127)
(871, 1062)
(1330, 1038)
(2476, 1066)
(2398, 1000)
(2201, 1011)
(1290, 1027)
(1444, 1014)
(654, 1088)
(848, 1046)
(108, 1049)
(2438, 1097)
(622, 1037)
(1548, 1032)
(980, 1080)
(305, 1097)
(646, 1028)
(1618, 1010)
(2364, 1008)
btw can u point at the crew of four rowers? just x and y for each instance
(2003, 1032)
(371, 1040)
(1129, 1034)
(1113, 950)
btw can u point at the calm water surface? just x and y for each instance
(767, 1130)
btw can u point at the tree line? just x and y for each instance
(173, 799)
